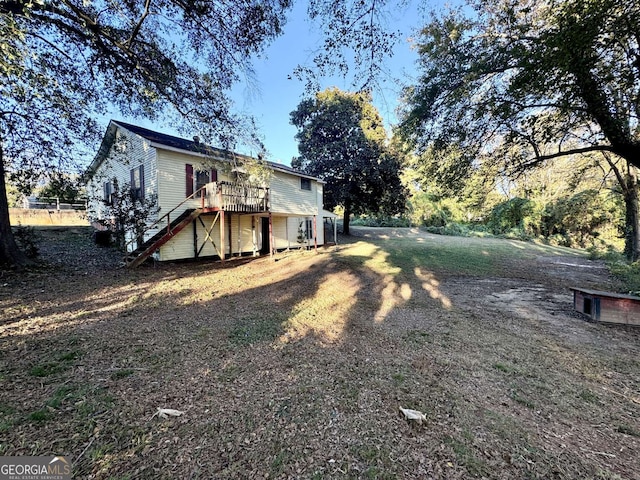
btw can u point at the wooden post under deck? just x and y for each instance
(222, 245)
(271, 245)
(315, 233)
(254, 240)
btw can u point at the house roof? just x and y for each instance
(160, 140)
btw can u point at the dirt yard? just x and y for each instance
(296, 368)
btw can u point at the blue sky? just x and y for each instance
(277, 94)
(274, 94)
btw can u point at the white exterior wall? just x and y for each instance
(129, 151)
(165, 177)
(172, 179)
(242, 234)
(172, 190)
(287, 197)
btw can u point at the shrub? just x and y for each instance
(102, 238)
(380, 221)
(27, 239)
(515, 214)
(628, 274)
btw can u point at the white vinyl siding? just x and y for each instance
(242, 234)
(288, 198)
(128, 152)
(165, 175)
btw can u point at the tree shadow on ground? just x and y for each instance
(289, 368)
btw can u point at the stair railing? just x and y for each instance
(168, 216)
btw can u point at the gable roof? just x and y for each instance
(160, 140)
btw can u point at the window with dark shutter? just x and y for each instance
(202, 178)
(137, 183)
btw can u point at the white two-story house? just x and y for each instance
(205, 208)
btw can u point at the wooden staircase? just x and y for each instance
(212, 197)
(140, 254)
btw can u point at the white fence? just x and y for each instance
(52, 203)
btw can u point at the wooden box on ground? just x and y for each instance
(607, 306)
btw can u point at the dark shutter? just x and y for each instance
(141, 181)
(214, 175)
(107, 192)
(189, 170)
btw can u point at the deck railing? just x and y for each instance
(231, 197)
(235, 197)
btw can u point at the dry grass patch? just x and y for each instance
(296, 368)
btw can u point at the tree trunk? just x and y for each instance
(10, 254)
(632, 215)
(346, 218)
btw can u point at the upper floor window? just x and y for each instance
(202, 178)
(305, 184)
(137, 182)
(197, 179)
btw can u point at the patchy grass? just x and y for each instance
(263, 327)
(122, 373)
(63, 362)
(296, 368)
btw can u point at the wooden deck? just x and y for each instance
(234, 197)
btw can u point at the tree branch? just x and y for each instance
(138, 26)
(575, 151)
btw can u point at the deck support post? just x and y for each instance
(254, 240)
(271, 245)
(222, 244)
(315, 233)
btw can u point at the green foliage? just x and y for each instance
(428, 210)
(342, 140)
(27, 239)
(454, 229)
(380, 221)
(128, 215)
(14, 197)
(513, 82)
(510, 215)
(628, 274)
(511, 85)
(581, 219)
(301, 238)
(63, 186)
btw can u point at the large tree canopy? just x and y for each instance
(526, 81)
(342, 140)
(65, 62)
(540, 79)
